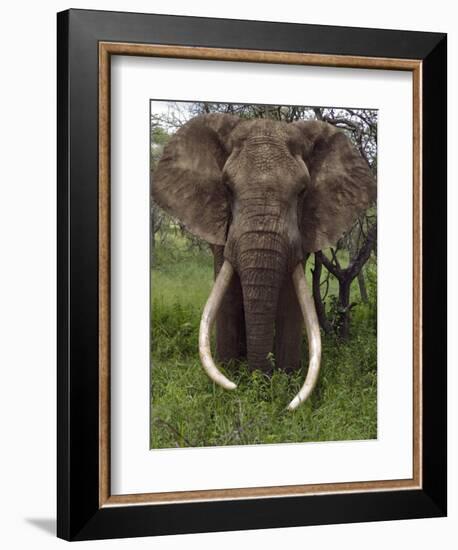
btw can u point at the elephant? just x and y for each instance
(264, 194)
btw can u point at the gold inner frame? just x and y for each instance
(106, 50)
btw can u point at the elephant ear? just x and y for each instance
(341, 187)
(187, 180)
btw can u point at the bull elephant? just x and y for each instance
(263, 194)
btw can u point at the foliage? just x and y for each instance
(189, 410)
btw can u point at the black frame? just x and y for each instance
(79, 515)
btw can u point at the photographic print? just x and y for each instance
(224, 302)
(263, 274)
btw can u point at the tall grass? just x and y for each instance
(189, 410)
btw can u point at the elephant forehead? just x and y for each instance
(263, 154)
(260, 128)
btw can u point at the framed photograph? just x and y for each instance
(251, 274)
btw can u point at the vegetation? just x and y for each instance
(189, 410)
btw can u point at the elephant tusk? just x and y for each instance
(313, 335)
(208, 317)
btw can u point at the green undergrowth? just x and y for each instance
(188, 410)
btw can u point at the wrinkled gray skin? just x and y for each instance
(263, 193)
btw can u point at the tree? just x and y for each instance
(345, 277)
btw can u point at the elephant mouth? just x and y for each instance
(310, 320)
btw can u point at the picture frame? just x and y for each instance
(86, 42)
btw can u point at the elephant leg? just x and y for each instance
(230, 320)
(288, 328)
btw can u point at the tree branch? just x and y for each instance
(328, 264)
(364, 253)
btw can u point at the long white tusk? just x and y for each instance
(208, 317)
(313, 335)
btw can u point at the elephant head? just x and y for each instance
(269, 192)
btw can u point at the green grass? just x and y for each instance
(189, 410)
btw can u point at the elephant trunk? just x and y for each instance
(261, 269)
